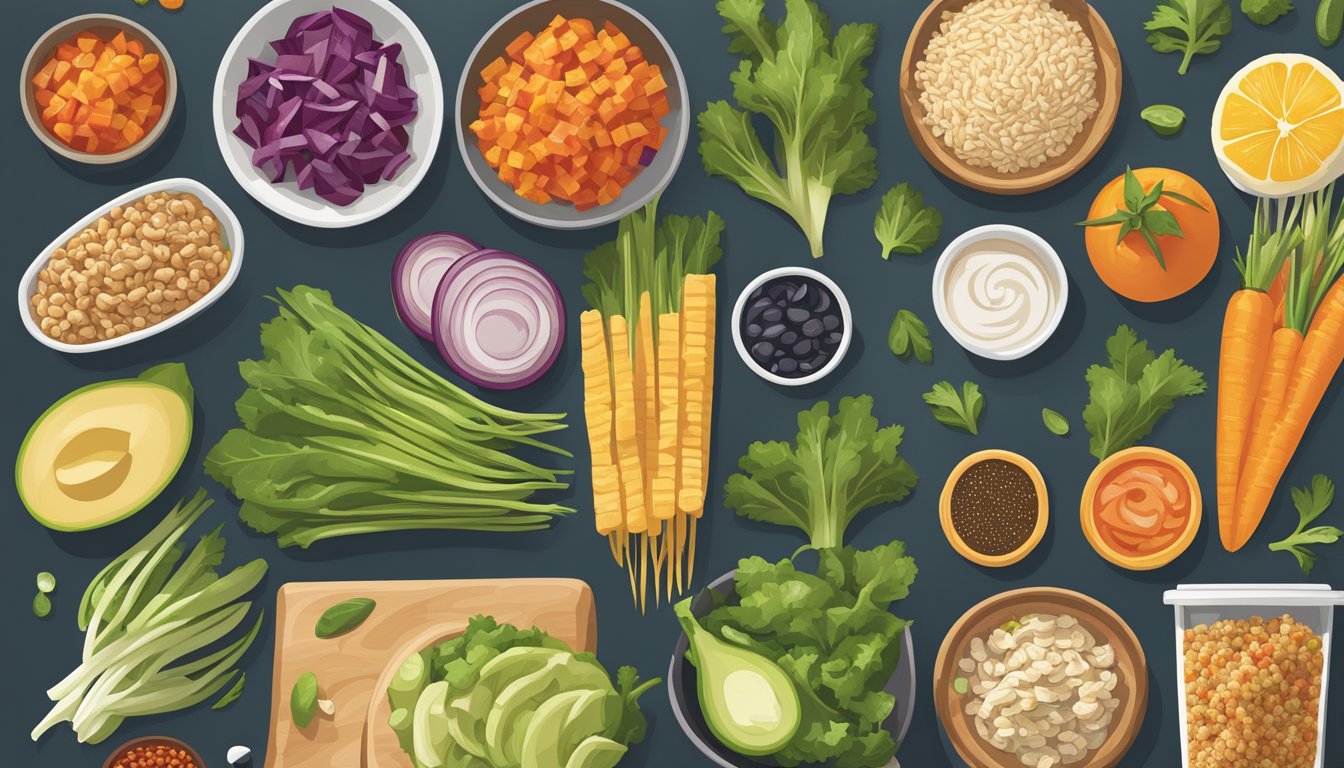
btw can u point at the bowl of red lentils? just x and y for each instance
(154, 752)
(143, 262)
(1253, 665)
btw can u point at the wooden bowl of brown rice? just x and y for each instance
(1010, 96)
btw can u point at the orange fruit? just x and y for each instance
(1278, 128)
(1129, 267)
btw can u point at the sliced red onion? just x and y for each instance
(498, 320)
(416, 275)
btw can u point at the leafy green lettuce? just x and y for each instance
(809, 86)
(840, 465)
(834, 635)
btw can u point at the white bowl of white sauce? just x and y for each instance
(1000, 291)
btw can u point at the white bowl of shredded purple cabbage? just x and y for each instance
(329, 114)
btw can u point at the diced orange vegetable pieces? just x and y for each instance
(101, 96)
(568, 113)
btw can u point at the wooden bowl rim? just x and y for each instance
(1085, 146)
(1096, 617)
(1042, 508)
(169, 740)
(1161, 557)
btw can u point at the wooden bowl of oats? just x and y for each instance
(1042, 95)
(1108, 671)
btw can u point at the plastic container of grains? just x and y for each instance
(1200, 607)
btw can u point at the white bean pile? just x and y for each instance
(136, 266)
(1043, 692)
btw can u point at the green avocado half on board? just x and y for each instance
(103, 452)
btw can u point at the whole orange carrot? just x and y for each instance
(1320, 358)
(1248, 326)
(1314, 313)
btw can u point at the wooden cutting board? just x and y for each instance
(348, 667)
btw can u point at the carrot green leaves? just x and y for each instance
(1311, 501)
(1188, 27)
(903, 224)
(809, 85)
(956, 410)
(1133, 391)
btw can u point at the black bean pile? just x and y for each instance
(791, 326)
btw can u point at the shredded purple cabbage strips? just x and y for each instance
(333, 107)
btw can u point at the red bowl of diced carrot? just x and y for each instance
(572, 113)
(98, 89)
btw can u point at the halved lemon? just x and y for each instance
(1278, 129)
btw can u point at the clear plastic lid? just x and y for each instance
(1254, 594)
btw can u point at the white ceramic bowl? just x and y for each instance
(647, 184)
(390, 25)
(846, 319)
(1311, 604)
(1029, 240)
(230, 232)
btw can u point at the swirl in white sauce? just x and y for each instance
(1000, 294)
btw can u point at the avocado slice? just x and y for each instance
(467, 712)
(749, 703)
(102, 452)
(596, 752)
(591, 715)
(518, 701)
(540, 744)
(430, 739)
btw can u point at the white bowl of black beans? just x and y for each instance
(792, 326)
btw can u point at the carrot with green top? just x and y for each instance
(1314, 302)
(1248, 327)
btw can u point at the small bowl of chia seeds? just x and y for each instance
(792, 326)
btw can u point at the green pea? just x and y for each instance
(1164, 118)
(46, 582)
(961, 685)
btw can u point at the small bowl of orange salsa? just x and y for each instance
(1141, 508)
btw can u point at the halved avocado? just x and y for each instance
(102, 452)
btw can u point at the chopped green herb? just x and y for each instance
(1132, 391)
(232, 694)
(959, 411)
(1311, 501)
(343, 617)
(1055, 422)
(904, 224)
(46, 582)
(1165, 119)
(1188, 27)
(41, 605)
(908, 335)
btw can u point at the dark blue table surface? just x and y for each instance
(43, 196)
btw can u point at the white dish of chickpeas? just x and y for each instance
(142, 263)
(1253, 668)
